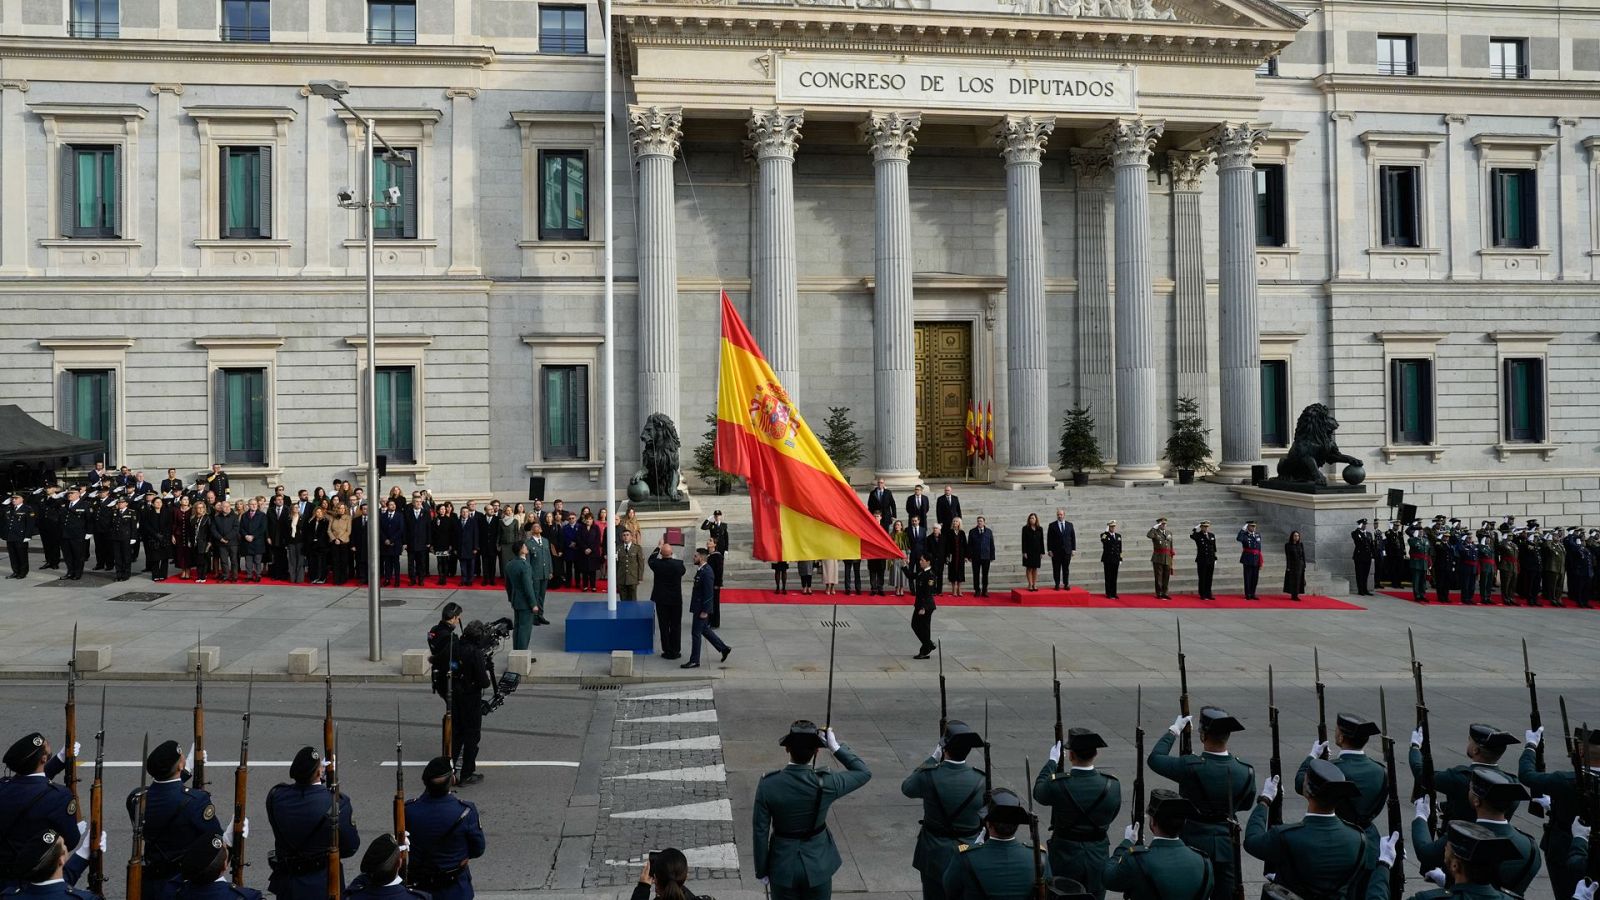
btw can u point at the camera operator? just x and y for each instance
(444, 646)
(667, 870)
(472, 675)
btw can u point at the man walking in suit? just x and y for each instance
(1061, 541)
(543, 566)
(948, 509)
(917, 506)
(667, 594)
(700, 599)
(880, 502)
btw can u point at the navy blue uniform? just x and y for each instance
(298, 815)
(174, 816)
(56, 890)
(361, 889)
(445, 834)
(220, 889)
(29, 804)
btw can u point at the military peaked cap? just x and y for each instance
(1488, 736)
(1326, 781)
(959, 735)
(1066, 888)
(1168, 804)
(1475, 843)
(1496, 786)
(1082, 741)
(802, 734)
(1356, 726)
(1004, 806)
(24, 754)
(1215, 720)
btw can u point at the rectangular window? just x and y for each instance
(1270, 230)
(1397, 54)
(563, 195)
(242, 415)
(391, 22)
(93, 19)
(1269, 68)
(1515, 202)
(566, 412)
(91, 177)
(1524, 393)
(246, 192)
(563, 29)
(1411, 400)
(396, 429)
(88, 409)
(1508, 58)
(1275, 402)
(246, 20)
(400, 222)
(1399, 202)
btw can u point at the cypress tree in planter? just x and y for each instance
(1079, 450)
(1187, 449)
(840, 441)
(705, 460)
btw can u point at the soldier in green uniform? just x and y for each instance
(1485, 746)
(952, 796)
(1218, 784)
(1002, 867)
(1561, 788)
(1083, 803)
(1168, 869)
(1505, 552)
(1368, 775)
(794, 853)
(1471, 859)
(1418, 551)
(1162, 556)
(1319, 856)
(1492, 794)
(1554, 562)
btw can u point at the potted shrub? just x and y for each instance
(840, 441)
(1187, 449)
(705, 460)
(1079, 450)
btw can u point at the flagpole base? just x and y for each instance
(905, 479)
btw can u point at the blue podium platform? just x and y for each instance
(592, 628)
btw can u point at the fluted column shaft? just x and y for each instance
(1096, 369)
(1130, 142)
(774, 297)
(1238, 318)
(655, 132)
(1189, 277)
(1022, 140)
(891, 136)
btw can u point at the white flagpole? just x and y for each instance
(608, 353)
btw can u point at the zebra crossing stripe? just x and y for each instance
(709, 742)
(694, 694)
(693, 773)
(703, 716)
(716, 856)
(706, 811)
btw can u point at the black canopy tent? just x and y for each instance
(25, 439)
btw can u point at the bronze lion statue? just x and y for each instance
(660, 459)
(1313, 447)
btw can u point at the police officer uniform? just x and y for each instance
(1371, 781)
(1470, 842)
(124, 538)
(39, 852)
(1251, 559)
(1561, 785)
(1205, 557)
(18, 526)
(298, 811)
(1167, 869)
(1394, 554)
(951, 792)
(49, 501)
(1111, 557)
(1162, 557)
(205, 873)
(380, 877)
(174, 816)
(1518, 867)
(1454, 782)
(30, 803)
(1218, 784)
(999, 868)
(445, 835)
(793, 848)
(1367, 551)
(1083, 802)
(1319, 857)
(77, 520)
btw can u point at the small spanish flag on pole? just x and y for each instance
(973, 444)
(802, 507)
(988, 435)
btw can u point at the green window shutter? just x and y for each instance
(1530, 208)
(225, 188)
(408, 194)
(109, 398)
(580, 411)
(65, 397)
(69, 192)
(264, 192)
(221, 414)
(385, 418)
(405, 430)
(113, 192)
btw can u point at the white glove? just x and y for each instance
(832, 739)
(82, 850)
(1269, 788)
(1533, 738)
(405, 846)
(227, 832)
(763, 881)
(1131, 834)
(1389, 849)
(1180, 723)
(1436, 876)
(1584, 890)
(1055, 753)
(1580, 831)
(1416, 737)
(1544, 800)
(61, 755)
(938, 751)
(1319, 750)
(1423, 807)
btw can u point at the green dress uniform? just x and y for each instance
(1453, 782)
(952, 796)
(1083, 803)
(1318, 857)
(997, 869)
(1496, 791)
(1469, 841)
(1168, 869)
(1371, 780)
(1419, 552)
(1219, 785)
(793, 848)
(1162, 557)
(1557, 843)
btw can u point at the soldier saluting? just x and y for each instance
(1083, 803)
(1367, 550)
(1111, 556)
(1162, 556)
(1319, 856)
(951, 792)
(174, 816)
(1168, 869)
(1371, 780)
(1205, 557)
(1216, 782)
(1000, 868)
(794, 852)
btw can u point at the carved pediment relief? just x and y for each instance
(1238, 13)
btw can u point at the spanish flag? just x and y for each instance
(803, 508)
(988, 435)
(972, 434)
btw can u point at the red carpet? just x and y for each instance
(1455, 600)
(431, 584)
(1075, 598)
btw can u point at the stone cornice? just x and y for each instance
(78, 51)
(1507, 88)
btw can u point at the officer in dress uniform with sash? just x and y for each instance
(1507, 551)
(1371, 781)
(1485, 746)
(44, 863)
(1205, 557)
(951, 792)
(794, 852)
(1367, 550)
(298, 813)
(1320, 856)
(1218, 783)
(380, 877)
(1000, 868)
(1162, 557)
(174, 816)
(1083, 803)
(445, 836)
(205, 872)
(1251, 559)
(1492, 794)
(1417, 552)
(1111, 556)
(1168, 869)
(30, 804)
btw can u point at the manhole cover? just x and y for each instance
(137, 597)
(387, 603)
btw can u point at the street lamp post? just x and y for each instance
(336, 91)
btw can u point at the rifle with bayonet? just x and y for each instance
(944, 706)
(327, 717)
(335, 876)
(241, 788)
(97, 856)
(1138, 750)
(1055, 678)
(1573, 750)
(1535, 721)
(135, 887)
(1425, 785)
(1322, 697)
(70, 751)
(988, 765)
(1185, 741)
(1041, 888)
(1275, 765)
(447, 724)
(199, 761)
(1397, 875)
(833, 641)
(399, 791)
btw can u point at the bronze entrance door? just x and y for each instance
(944, 385)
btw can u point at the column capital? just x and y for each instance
(20, 85)
(1185, 168)
(461, 93)
(1236, 143)
(1130, 141)
(891, 134)
(655, 130)
(1450, 119)
(775, 132)
(160, 88)
(1021, 139)
(1092, 165)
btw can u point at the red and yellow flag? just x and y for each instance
(803, 508)
(988, 435)
(973, 443)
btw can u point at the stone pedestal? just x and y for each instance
(1323, 520)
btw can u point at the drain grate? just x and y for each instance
(597, 687)
(136, 597)
(835, 624)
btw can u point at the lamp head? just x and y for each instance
(346, 196)
(329, 89)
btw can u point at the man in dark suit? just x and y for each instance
(700, 601)
(418, 540)
(880, 502)
(141, 486)
(472, 528)
(1367, 549)
(916, 538)
(1061, 541)
(277, 526)
(917, 506)
(172, 484)
(948, 509)
(980, 550)
(667, 595)
(391, 537)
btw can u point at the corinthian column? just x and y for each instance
(890, 135)
(655, 131)
(1021, 140)
(1130, 142)
(1189, 276)
(774, 303)
(1238, 321)
(1096, 358)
